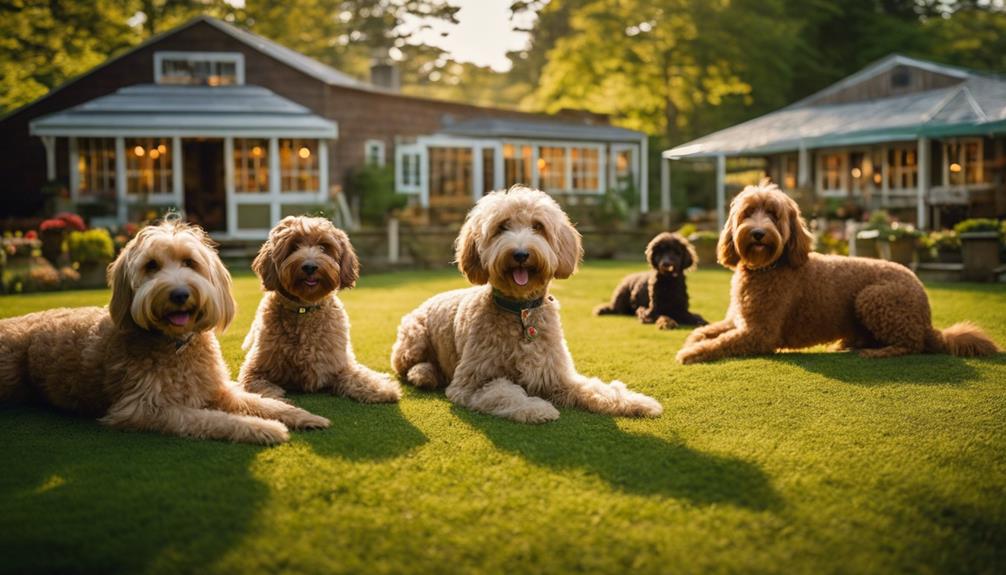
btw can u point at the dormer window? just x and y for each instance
(199, 68)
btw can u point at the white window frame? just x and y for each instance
(410, 153)
(843, 174)
(236, 58)
(536, 145)
(895, 170)
(634, 171)
(382, 158)
(962, 160)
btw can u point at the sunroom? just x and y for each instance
(233, 158)
(450, 170)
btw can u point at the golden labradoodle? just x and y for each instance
(300, 337)
(784, 296)
(659, 295)
(150, 361)
(499, 346)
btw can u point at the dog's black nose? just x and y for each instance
(521, 256)
(309, 268)
(178, 296)
(758, 234)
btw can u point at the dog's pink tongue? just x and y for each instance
(520, 276)
(178, 318)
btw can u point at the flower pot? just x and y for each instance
(52, 245)
(981, 255)
(949, 255)
(868, 244)
(901, 250)
(706, 250)
(92, 274)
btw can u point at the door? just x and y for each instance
(205, 190)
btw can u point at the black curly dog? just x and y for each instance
(658, 295)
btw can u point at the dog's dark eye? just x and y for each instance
(537, 227)
(502, 228)
(189, 263)
(151, 266)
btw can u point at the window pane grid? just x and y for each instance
(148, 166)
(298, 165)
(251, 166)
(585, 169)
(96, 167)
(516, 165)
(552, 168)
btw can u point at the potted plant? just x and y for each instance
(980, 248)
(53, 232)
(705, 247)
(901, 240)
(943, 246)
(90, 253)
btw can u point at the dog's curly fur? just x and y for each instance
(515, 241)
(659, 295)
(784, 296)
(150, 361)
(300, 337)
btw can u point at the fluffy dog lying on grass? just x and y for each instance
(659, 295)
(499, 347)
(150, 361)
(300, 337)
(785, 296)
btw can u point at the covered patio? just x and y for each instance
(234, 159)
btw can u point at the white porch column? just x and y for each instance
(923, 183)
(274, 180)
(229, 189)
(323, 169)
(74, 168)
(122, 211)
(644, 176)
(477, 173)
(176, 173)
(721, 190)
(803, 167)
(665, 190)
(50, 157)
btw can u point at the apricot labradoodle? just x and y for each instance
(785, 296)
(150, 361)
(300, 337)
(499, 347)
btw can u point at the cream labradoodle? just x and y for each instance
(498, 347)
(300, 337)
(150, 361)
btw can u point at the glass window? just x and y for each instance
(902, 168)
(373, 151)
(622, 169)
(790, 168)
(148, 166)
(251, 166)
(96, 167)
(963, 161)
(552, 169)
(298, 166)
(451, 172)
(831, 172)
(409, 174)
(516, 165)
(198, 69)
(488, 170)
(586, 169)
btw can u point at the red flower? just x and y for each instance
(52, 224)
(72, 220)
(31, 235)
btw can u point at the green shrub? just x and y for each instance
(375, 186)
(978, 225)
(703, 237)
(92, 246)
(687, 230)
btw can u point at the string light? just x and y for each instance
(257, 151)
(139, 151)
(154, 154)
(304, 153)
(162, 149)
(955, 167)
(856, 173)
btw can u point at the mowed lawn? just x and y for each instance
(808, 462)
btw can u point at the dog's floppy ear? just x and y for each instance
(265, 268)
(119, 307)
(650, 248)
(689, 257)
(220, 276)
(349, 264)
(726, 253)
(569, 247)
(801, 241)
(466, 252)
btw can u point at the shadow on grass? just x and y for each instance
(78, 497)
(632, 462)
(929, 369)
(360, 431)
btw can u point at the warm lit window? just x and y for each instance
(298, 165)
(199, 68)
(585, 169)
(622, 168)
(451, 172)
(832, 166)
(552, 169)
(96, 167)
(790, 168)
(374, 152)
(963, 161)
(148, 166)
(903, 168)
(251, 166)
(516, 164)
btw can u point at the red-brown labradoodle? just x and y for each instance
(150, 361)
(300, 337)
(785, 297)
(659, 295)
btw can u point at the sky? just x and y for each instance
(483, 35)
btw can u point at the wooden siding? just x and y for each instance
(883, 86)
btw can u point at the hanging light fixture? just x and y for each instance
(303, 152)
(139, 151)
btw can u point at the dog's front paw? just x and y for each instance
(300, 419)
(387, 390)
(643, 315)
(536, 410)
(689, 355)
(695, 337)
(634, 404)
(264, 432)
(664, 322)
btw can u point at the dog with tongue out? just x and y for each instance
(498, 347)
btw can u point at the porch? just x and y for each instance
(234, 159)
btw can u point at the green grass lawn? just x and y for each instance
(799, 463)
